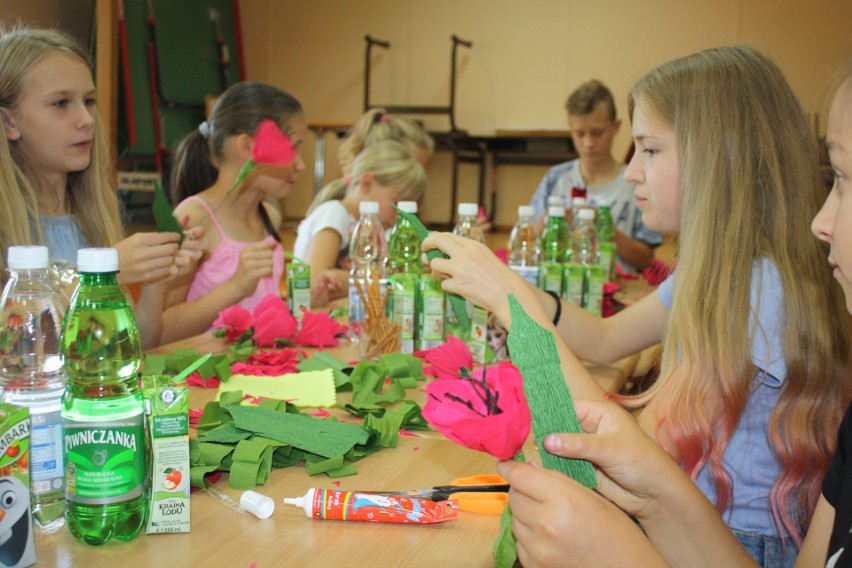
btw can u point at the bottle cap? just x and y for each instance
(368, 207)
(97, 260)
(525, 211)
(555, 200)
(586, 213)
(258, 505)
(27, 257)
(555, 211)
(407, 206)
(578, 202)
(468, 209)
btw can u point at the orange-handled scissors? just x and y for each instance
(487, 493)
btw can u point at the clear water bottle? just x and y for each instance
(103, 410)
(404, 269)
(32, 374)
(467, 224)
(584, 237)
(367, 251)
(523, 246)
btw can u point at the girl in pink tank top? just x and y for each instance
(245, 259)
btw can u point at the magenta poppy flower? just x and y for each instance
(447, 359)
(211, 382)
(486, 413)
(273, 320)
(271, 148)
(235, 320)
(319, 330)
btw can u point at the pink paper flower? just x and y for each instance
(487, 413)
(319, 330)
(195, 379)
(273, 320)
(271, 148)
(269, 363)
(235, 320)
(447, 359)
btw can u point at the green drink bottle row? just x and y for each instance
(102, 409)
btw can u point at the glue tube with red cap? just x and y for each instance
(356, 506)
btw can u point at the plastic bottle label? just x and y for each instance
(430, 315)
(606, 257)
(46, 456)
(528, 273)
(550, 276)
(593, 290)
(298, 288)
(478, 334)
(403, 311)
(106, 460)
(572, 291)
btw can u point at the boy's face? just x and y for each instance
(593, 133)
(833, 223)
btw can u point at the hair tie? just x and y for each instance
(347, 179)
(204, 129)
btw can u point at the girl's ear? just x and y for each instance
(243, 145)
(365, 184)
(10, 126)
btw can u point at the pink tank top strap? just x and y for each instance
(209, 212)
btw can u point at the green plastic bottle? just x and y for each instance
(102, 409)
(404, 269)
(555, 244)
(606, 241)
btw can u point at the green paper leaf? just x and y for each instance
(321, 361)
(244, 172)
(164, 215)
(458, 303)
(228, 434)
(315, 464)
(287, 456)
(534, 352)
(322, 437)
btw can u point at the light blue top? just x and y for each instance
(62, 237)
(617, 195)
(753, 467)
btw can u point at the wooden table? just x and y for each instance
(222, 537)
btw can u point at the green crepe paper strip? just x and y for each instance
(321, 361)
(242, 348)
(226, 434)
(326, 438)
(164, 215)
(535, 354)
(505, 547)
(368, 381)
(287, 456)
(252, 462)
(315, 465)
(457, 302)
(345, 471)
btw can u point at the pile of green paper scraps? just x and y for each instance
(248, 440)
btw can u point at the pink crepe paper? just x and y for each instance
(195, 379)
(319, 330)
(269, 363)
(271, 146)
(273, 320)
(321, 413)
(336, 483)
(657, 272)
(624, 275)
(194, 416)
(487, 413)
(447, 359)
(404, 432)
(235, 320)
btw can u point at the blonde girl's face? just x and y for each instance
(833, 223)
(54, 122)
(386, 196)
(655, 171)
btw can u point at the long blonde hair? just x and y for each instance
(750, 188)
(90, 194)
(376, 125)
(390, 163)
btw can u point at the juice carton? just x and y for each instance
(430, 313)
(593, 289)
(298, 288)
(401, 302)
(572, 283)
(168, 427)
(478, 340)
(16, 523)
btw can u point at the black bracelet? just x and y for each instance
(558, 313)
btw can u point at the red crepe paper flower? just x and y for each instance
(194, 416)
(268, 363)
(657, 272)
(273, 320)
(319, 330)
(271, 148)
(235, 320)
(211, 382)
(447, 359)
(486, 413)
